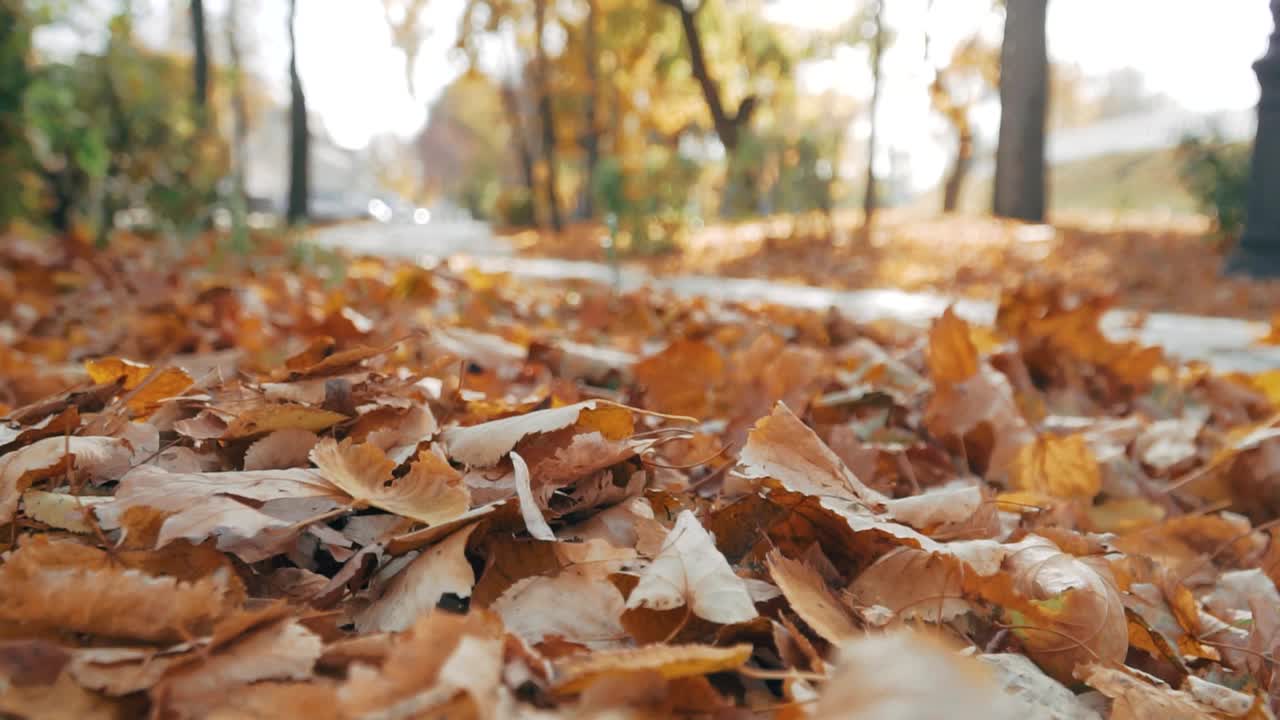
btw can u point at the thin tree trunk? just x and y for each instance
(299, 133)
(519, 136)
(959, 170)
(200, 59)
(869, 200)
(239, 129)
(728, 127)
(591, 134)
(546, 116)
(1020, 185)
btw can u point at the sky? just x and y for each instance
(1196, 51)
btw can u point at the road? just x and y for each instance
(1226, 343)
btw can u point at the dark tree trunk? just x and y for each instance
(546, 116)
(869, 200)
(200, 59)
(591, 120)
(959, 170)
(1020, 185)
(299, 134)
(1258, 252)
(728, 127)
(518, 134)
(239, 107)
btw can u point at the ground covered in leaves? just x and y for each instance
(1166, 265)
(268, 488)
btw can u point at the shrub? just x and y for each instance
(1216, 174)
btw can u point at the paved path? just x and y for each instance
(1228, 344)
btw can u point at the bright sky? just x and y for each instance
(1196, 51)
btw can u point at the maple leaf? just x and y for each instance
(1061, 467)
(431, 492)
(689, 570)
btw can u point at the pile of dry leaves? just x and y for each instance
(405, 492)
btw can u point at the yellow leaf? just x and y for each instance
(165, 383)
(952, 357)
(681, 379)
(1062, 467)
(669, 661)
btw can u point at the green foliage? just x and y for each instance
(1216, 174)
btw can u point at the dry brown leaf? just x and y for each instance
(431, 492)
(681, 378)
(782, 447)
(913, 583)
(62, 585)
(1136, 699)
(92, 457)
(534, 522)
(283, 650)
(577, 605)
(61, 698)
(912, 675)
(811, 599)
(63, 511)
(484, 445)
(668, 661)
(441, 569)
(234, 507)
(1066, 610)
(280, 450)
(250, 420)
(691, 571)
(1061, 467)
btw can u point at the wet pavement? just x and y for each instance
(1228, 344)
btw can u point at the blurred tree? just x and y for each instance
(200, 59)
(1024, 93)
(16, 76)
(729, 126)
(239, 127)
(967, 78)
(299, 133)
(877, 53)
(546, 117)
(590, 135)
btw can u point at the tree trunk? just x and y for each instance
(299, 134)
(1020, 186)
(591, 121)
(546, 116)
(200, 59)
(518, 134)
(728, 127)
(959, 170)
(869, 201)
(239, 106)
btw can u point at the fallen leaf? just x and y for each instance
(811, 598)
(63, 511)
(681, 378)
(668, 661)
(691, 571)
(1137, 699)
(61, 585)
(431, 492)
(256, 419)
(92, 457)
(1061, 467)
(280, 450)
(952, 357)
(441, 569)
